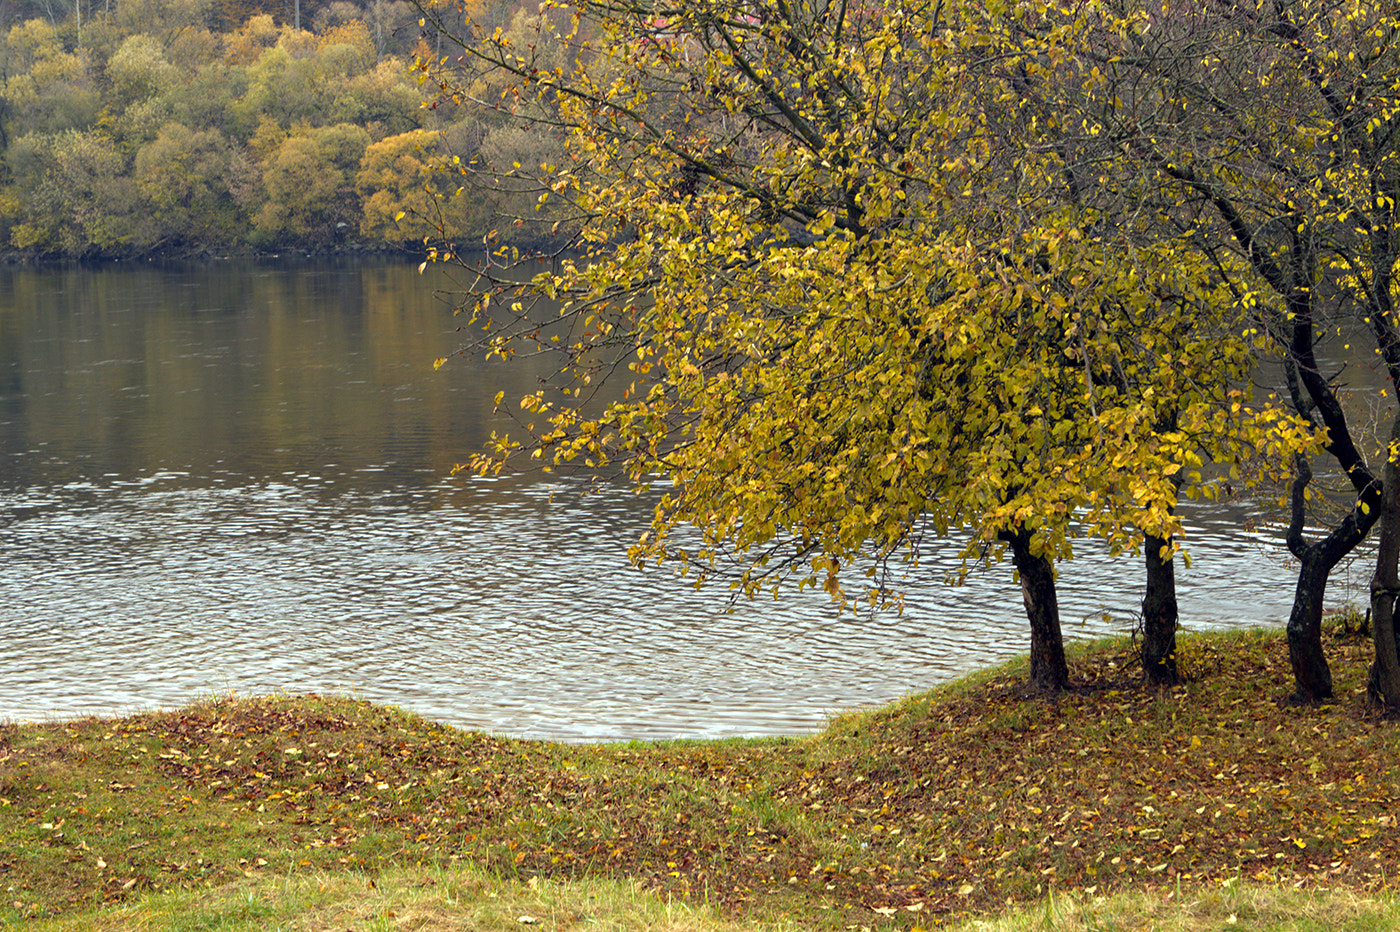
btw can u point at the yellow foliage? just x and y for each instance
(859, 294)
(255, 36)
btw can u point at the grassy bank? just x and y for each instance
(464, 900)
(1212, 800)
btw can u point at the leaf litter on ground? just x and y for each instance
(956, 802)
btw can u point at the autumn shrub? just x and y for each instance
(400, 189)
(310, 188)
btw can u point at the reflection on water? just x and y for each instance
(235, 478)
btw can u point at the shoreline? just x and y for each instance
(14, 259)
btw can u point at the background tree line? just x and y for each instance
(136, 126)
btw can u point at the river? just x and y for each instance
(235, 477)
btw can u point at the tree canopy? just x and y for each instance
(861, 293)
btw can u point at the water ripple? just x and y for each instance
(515, 615)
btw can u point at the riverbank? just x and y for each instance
(199, 254)
(947, 805)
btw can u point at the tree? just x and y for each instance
(855, 298)
(310, 185)
(164, 19)
(1263, 135)
(47, 89)
(396, 184)
(140, 78)
(384, 100)
(248, 42)
(74, 195)
(200, 100)
(306, 78)
(139, 70)
(186, 177)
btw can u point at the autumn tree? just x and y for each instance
(140, 77)
(75, 194)
(855, 297)
(192, 181)
(47, 87)
(139, 70)
(398, 186)
(383, 100)
(1262, 136)
(253, 36)
(310, 184)
(163, 19)
(200, 100)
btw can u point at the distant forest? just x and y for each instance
(132, 127)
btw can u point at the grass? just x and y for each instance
(444, 900)
(1214, 805)
(464, 900)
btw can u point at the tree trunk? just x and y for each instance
(1312, 678)
(1159, 615)
(1384, 685)
(1049, 672)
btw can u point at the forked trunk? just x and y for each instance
(1049, 673)
(1159, 614)
(1312, 679)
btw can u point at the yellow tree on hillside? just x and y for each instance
(398, 187)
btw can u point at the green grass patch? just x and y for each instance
(444, 900)
(1230, 908)
(466, 900)
(952, 804)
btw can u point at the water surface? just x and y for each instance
(236, 477)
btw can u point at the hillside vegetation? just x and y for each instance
(951, 804)
(169, 125)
